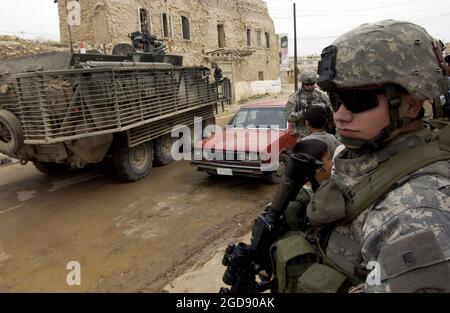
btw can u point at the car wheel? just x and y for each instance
(275, 177)
(132, 164)
(207, 122)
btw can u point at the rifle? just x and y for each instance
(245, 261)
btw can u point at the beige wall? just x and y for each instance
(305, 64)
(105, 23)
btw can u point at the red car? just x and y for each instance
(255, 143)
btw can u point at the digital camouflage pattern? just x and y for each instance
(415, 217)
(296, 211)
(308, 78)
(298, 103)
(405, 234)
(388, 52)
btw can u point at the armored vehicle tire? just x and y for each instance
(132, 164)
(11, 133)
(206, 123)
(275, 177)
(51, 168)
(163, 147)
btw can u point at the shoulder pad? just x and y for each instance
(416, 263)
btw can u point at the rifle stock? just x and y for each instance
(244, 261)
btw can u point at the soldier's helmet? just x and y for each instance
(308, 78)
(387, 52)
(138, 40)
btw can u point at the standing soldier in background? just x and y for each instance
(298, 102)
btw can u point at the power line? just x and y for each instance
(433, 16)
(342, 11)
(402, 13)
(357, 6)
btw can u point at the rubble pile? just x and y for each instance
(11, 46)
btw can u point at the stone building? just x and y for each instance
(238, 35)
(305, 64)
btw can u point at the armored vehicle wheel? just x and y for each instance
(275, 177)
(163, 147)
(51, 168)
(132, 164)
(206, 123)
(11, 134)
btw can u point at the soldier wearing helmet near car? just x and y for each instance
(298, 102)
(381, 223)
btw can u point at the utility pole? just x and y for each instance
(295, 51)
(68, 26)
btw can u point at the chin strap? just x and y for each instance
(396, 122)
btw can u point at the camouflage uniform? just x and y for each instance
(418, 210)
(407, 230)
(296, 211)
(301, 100)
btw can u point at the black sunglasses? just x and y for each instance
(356, 101)
(309, 84)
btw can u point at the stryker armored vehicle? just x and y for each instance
(65, 110)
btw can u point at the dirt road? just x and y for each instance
(126, 237)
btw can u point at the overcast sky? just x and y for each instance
(318, 22)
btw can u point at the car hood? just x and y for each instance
(239, 139)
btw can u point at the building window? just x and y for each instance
(261, 75)
(249, 37)
(185, 28)
(166, 25)
(267, 39)
(144, 21)
(258, 38)
(221, 35)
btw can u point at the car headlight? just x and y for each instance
(241, 156)
(253, 156)
(198, 154)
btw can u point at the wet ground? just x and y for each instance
(126, 237)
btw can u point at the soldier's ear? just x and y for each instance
(307, 125)
(413, 106)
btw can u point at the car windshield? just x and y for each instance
(259, 118)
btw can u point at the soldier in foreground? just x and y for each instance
(382, 222)
(300, 101)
